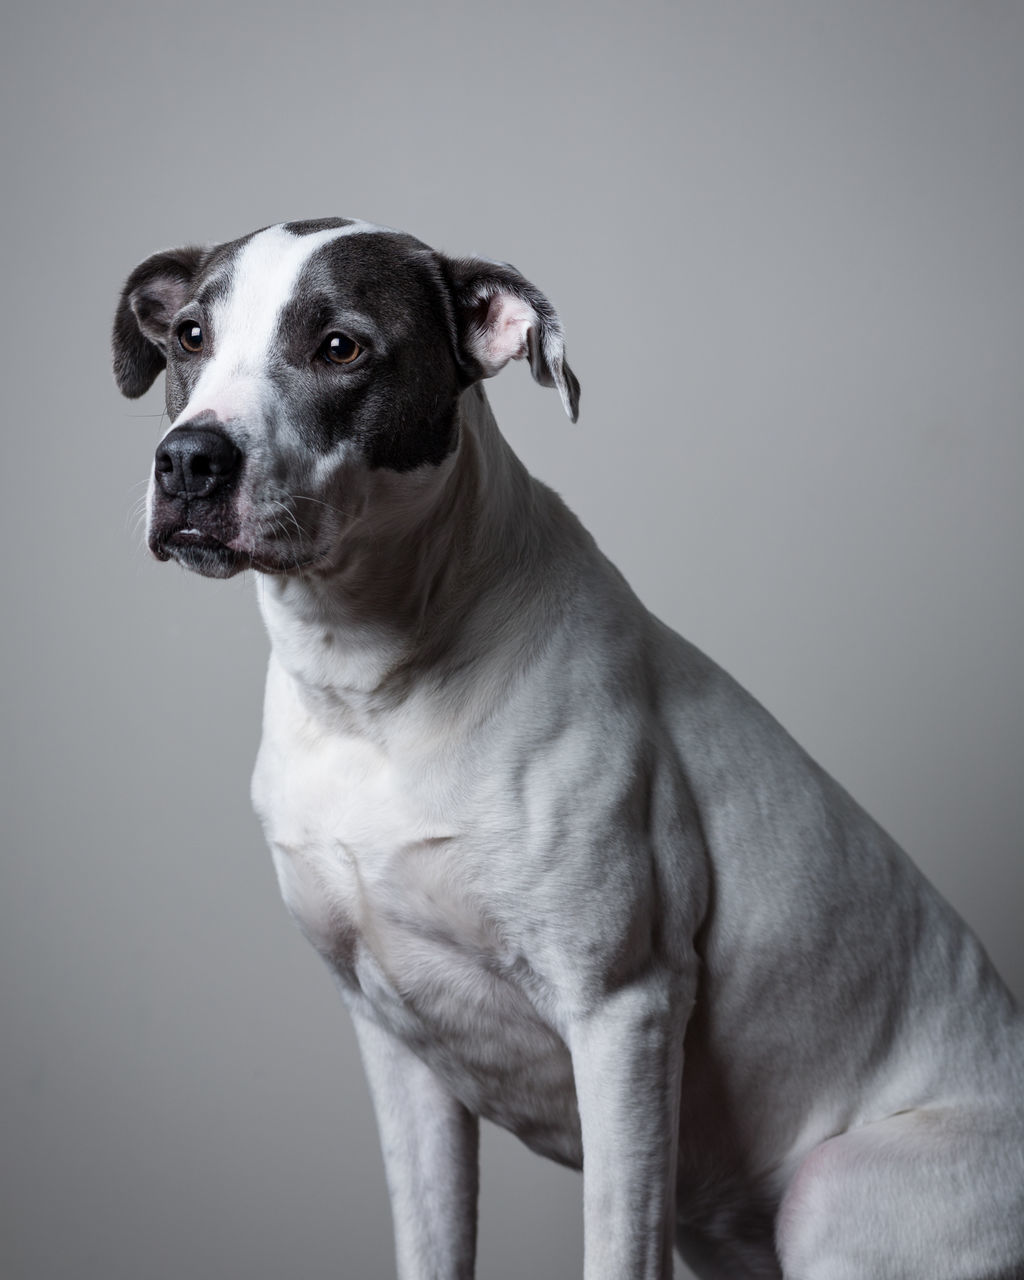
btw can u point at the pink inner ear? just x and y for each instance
(503, 334)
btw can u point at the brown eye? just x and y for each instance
(340, 349)
(190, 336)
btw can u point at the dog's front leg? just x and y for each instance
(430, 1144)
(627, 1058)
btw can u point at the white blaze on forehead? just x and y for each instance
(243, 323)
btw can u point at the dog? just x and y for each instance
(569, 876)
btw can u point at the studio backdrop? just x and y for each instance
(785, 242)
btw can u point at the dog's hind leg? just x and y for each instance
(927, 1194)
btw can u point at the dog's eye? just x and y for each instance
(338, 348)
(190, 337)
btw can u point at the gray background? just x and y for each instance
(785, 240)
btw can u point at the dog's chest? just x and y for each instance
(383, 871)
(362, 844)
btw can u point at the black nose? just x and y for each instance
(192, 462)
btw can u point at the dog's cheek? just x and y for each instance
(412, 420)
(397, 417)
(422, 441)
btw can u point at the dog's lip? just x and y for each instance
(191, 534)
(247, 556)
(191, 537)
(166, 543)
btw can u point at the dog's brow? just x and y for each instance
(319, 311)
(213, 289)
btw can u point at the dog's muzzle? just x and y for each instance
(194, 513)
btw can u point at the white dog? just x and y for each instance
(571, 877)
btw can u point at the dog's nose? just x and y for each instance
(192, 462)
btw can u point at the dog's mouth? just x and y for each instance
(203, 553)
(230, 530)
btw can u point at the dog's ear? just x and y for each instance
(154, 291)
(500, 317)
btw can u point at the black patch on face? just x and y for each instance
(397, 401)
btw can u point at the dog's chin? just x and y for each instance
(201, 554)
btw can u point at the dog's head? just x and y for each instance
(308, 365)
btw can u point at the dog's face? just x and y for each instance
(313, 373)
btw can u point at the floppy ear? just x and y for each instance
(154, 291)
(500, 317)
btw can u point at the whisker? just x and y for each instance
(329, 506)
(277, 525)
(135, 517)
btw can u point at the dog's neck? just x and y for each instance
(416, 583)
